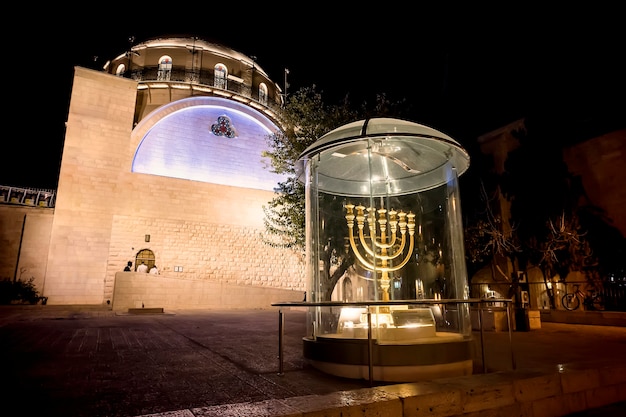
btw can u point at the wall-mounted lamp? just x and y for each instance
(147, 238)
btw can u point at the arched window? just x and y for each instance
(165, 68)
(121, 69)
(145, 256)
(221, 73)
(263, 94)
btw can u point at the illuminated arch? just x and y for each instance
(179, 140)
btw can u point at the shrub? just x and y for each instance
(18, 292)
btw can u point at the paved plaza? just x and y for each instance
(85, 361)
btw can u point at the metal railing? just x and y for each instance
(482, 304)
(611, 291)
(34, 197)
(203, 77)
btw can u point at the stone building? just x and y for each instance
(162, 164)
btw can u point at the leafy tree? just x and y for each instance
(305, 118)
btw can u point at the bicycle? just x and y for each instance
(592, 301)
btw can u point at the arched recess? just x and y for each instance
(120, 70)
(220, 76)
(165, 68)
(263, 94)
(145, 256)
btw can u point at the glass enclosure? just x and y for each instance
(384, 225)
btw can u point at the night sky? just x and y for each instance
(464, 72)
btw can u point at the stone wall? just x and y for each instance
(218, 252)
(24, 241)
(140, 290)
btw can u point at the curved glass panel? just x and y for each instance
(384, 156)
(384, 226)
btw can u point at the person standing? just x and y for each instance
(154, 270)
(128, 267)
(142, 268)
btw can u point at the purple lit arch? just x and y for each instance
(177, 140)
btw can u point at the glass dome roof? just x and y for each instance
(384, 156)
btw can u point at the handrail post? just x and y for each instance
(508, 319)
(370, 348)
(281, 330)
(482, 335)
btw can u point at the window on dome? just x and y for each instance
(221, 74)
(165, 68)
(263, 94)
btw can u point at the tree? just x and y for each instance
(305, 118)
(486, 240)
(558, 227)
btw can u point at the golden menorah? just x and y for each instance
(381, 246)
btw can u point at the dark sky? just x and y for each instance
(462, 71)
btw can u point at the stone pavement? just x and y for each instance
(86, 361)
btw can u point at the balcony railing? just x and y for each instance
(34, 197)
(612, 293)
(200, 77)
